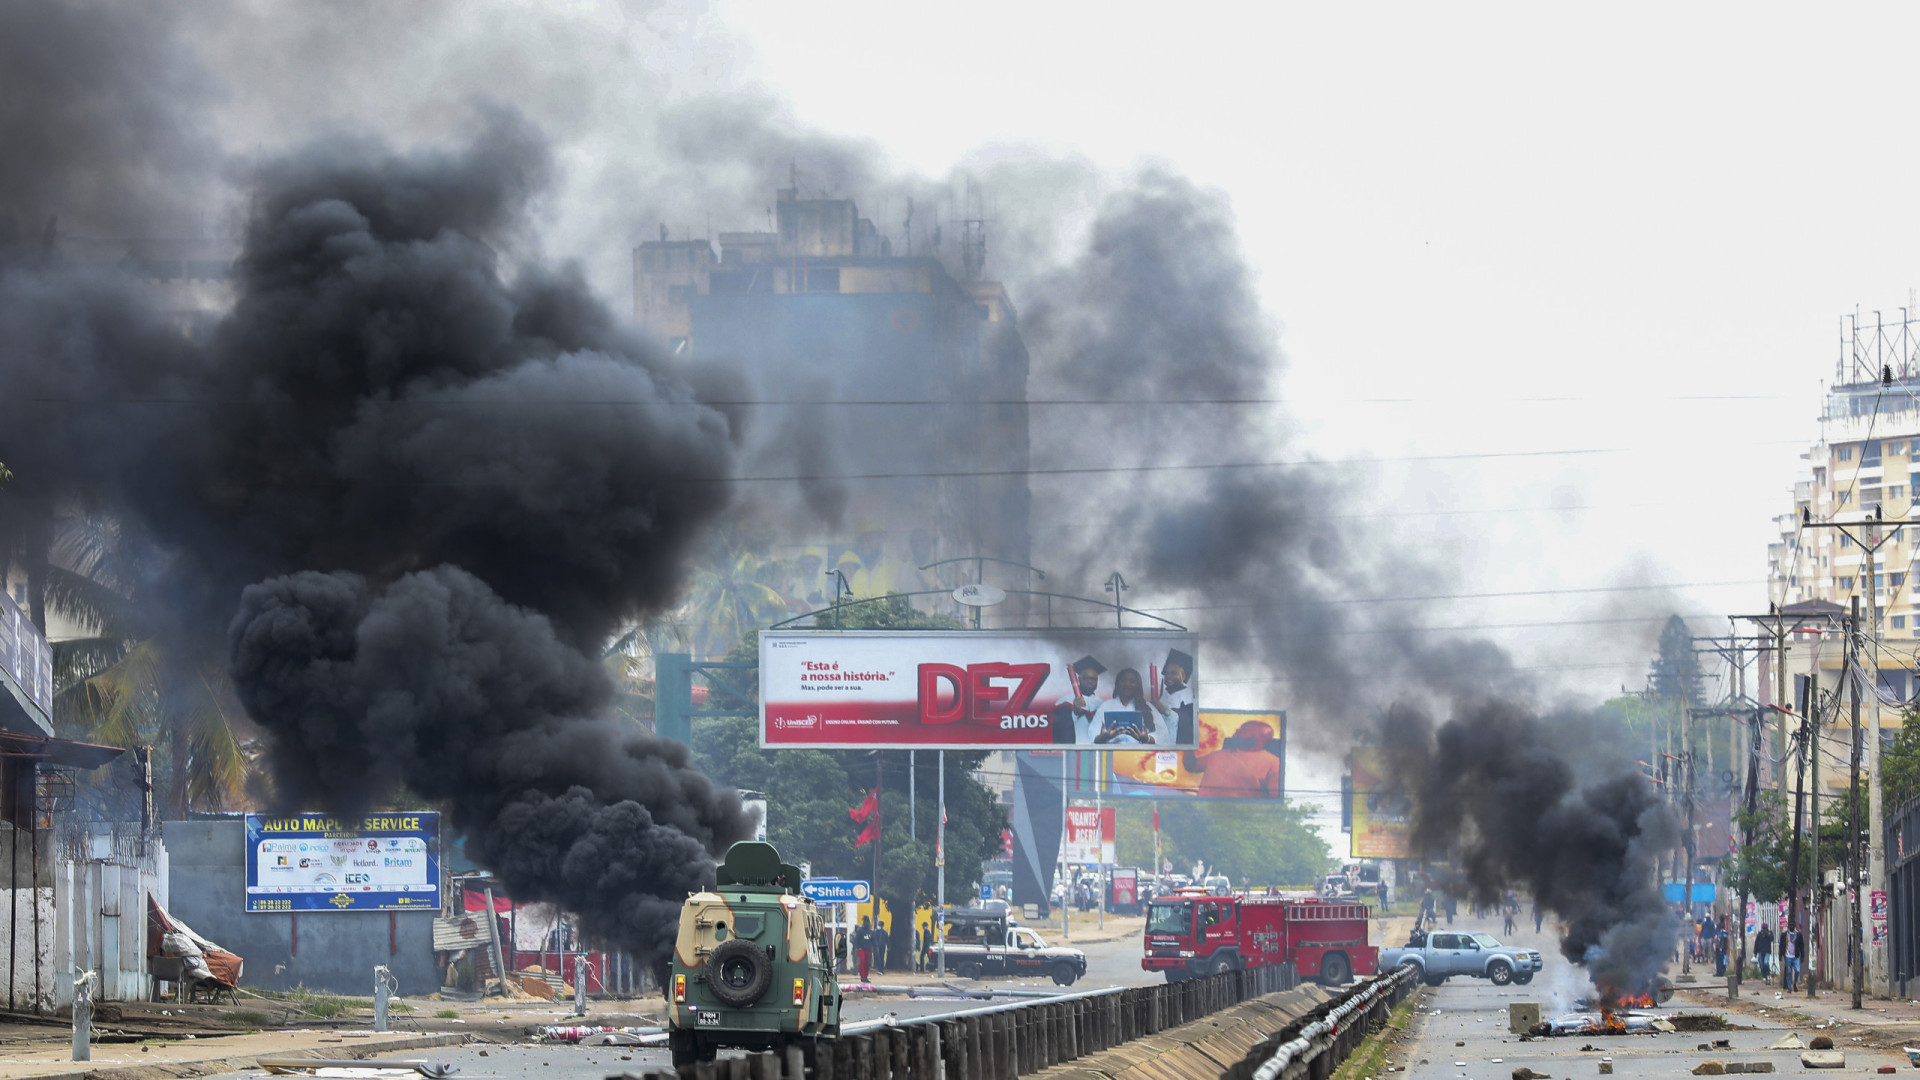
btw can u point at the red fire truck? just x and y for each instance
(1190, 933)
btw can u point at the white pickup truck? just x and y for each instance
(1446, 954)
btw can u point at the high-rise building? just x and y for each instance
(899, 383)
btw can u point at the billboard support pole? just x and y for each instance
(940, 872)
(913, 809)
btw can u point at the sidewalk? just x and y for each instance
(1878, 1023)
(167, 1059)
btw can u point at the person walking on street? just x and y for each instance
(882, 944)
(863, 947)
(1763, 950)
(1790, 954)
(1509, 907)
(1453, 906)
(1720, 949)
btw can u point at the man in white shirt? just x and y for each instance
(1073, 714)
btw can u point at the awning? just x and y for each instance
(78, 755)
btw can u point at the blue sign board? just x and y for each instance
(1676, 892)
(312, 862)
(835, 891)
(986, 891)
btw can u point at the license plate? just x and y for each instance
(709, 1019)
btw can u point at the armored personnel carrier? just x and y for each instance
(751, 967)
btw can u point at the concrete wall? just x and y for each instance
(334, 951)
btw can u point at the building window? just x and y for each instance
(1899, 580)
(1896, 448)
(1870, 453)
(1846, 541)
(1899, 622)
(1820, 475)
(1896, 492)
(1879, 582)
(1846, 584)
(1843, 453)
(1845, 498)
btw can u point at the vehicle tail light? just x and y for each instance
(799, 991)
(679, 988)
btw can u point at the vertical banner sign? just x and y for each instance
(1382, 810)
(1090, 835)
(311, 862)
(1877, 916)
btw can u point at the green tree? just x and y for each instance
(1675, 673)
(125, 684)
(1900, 763)
(1254, 843)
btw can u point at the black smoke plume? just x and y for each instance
(451, 471)
(1505, 791)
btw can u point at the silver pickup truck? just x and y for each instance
(1447, 953)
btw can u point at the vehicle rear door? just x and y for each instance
(1445, 955)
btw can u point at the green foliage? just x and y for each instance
(1254, 843)
(447, 1014)
(1764, 866)
(1676, 670)
(1900, 763)
(810, 791)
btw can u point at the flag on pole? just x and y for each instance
(867, 808)
(869, 834)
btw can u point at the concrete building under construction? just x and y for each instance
(905, 375)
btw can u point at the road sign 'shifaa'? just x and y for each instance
(832, 891)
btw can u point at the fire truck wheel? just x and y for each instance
(1500, 973)
(1522, 980)
(1335, 970)
(970, 971)
(1063, 974)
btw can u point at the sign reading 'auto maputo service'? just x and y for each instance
(959, 689)
(312, 862)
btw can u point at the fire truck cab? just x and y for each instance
(1190, 933)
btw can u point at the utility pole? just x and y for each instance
(1746, 843)
(1813, 838)
(1853, 800)
(1799, 820)
(1871, 534)
(939, 926)
(1686, 842)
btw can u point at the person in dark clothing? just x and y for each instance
(863, 947)
(1538, 915)
(1763, 950)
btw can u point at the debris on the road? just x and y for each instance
(1824, 1059)
(1791, 1041)
(1821, 1042)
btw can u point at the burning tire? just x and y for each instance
(739, 972)
(1335, 969)
(1500, 973)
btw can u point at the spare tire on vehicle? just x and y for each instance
(739, 972)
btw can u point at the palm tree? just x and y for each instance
(123, 683)
(732, 595)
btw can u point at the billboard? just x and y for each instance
(1382, 809)
(311, 862)
(959, 690)
(1241, 754)
(1090, 835)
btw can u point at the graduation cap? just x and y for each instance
(1088, 663)
(1177, 658)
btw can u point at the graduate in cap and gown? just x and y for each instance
(1073, 714)
(1175, 703)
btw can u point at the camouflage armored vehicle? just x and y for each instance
(750, 965)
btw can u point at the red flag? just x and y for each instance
(867, 807)
(869, 834)
(1156, 819)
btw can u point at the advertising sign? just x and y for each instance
(1090, 834)
(946, 689)
(1126, 887)
(311, 862)
(1382, 810)
(1242, 754)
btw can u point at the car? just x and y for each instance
(982, 943)
(1439, 955)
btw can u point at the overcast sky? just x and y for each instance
(1619, 239)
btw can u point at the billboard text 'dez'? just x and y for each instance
(975, 689)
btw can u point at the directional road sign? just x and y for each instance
(835, 891)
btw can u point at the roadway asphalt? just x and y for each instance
(1109, 963)
(1461, 1033)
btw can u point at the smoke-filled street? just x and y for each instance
(670, 515)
